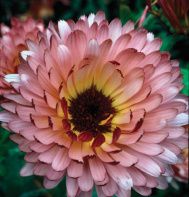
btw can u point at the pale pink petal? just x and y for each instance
(154, 137)
(75, 169)
(110, 188)
(48, 184)
(147, 148)
(115, 29)
(27, 170)
(97, 169)
(130, 138)
(137, 176)
(76, 42)
(85, 181)
(49, 155)
(120, 176)
(61, 160)
(100, 191)
(124, 158)
(129, 26)
(31, 157)
(143, 190)
(72, 186)
(123, 193)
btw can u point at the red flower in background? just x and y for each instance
(43, 8)
(12, 42)
(176, 11)
(181, 169)
(100, 104)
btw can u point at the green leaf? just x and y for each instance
(185, 74)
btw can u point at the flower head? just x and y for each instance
(99, 104)
(12, 41)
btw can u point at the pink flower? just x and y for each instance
(12, 41)
(99, 104)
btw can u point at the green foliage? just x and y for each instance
(11, 159)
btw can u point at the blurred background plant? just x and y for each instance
(167, 19)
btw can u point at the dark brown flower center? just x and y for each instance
(91, 111)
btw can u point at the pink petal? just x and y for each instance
(75, 151)
(49, 155)
(152, 137)
(120, 176)
(104, 49)
(152, 58)
(150, 167)
(99, 17)
(168, 156)
(143, 190)
(61, 160)
(85, 181)
(47, 136)
(31, 157)
(64, 29)
(38, 147)
(76, 43)
(137, 176)
(92, 49)
(102, 33)
(110, 147)
(100, 191)
(48, 184)
(151, 181)
(75, 169)
(41, 169)
(129, 26)
(174, 132)
(25, 112)
(97, 169)
(180, 120)
(114, 29)
(119, 45)
(43, 80)
(138, 40)
(147, 148)
(54, 175)
(105, 157)
(64, 61)
(71, 186)
(123, 193)
(27, 170)
(131, 88)
(148, 104)
(110, 188)
(11, 107)
(130, 138)
(152, 46)
(124, 158)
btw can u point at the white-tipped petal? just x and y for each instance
(91, 19)
(12, 78)
(25, 54)
(150, 37)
